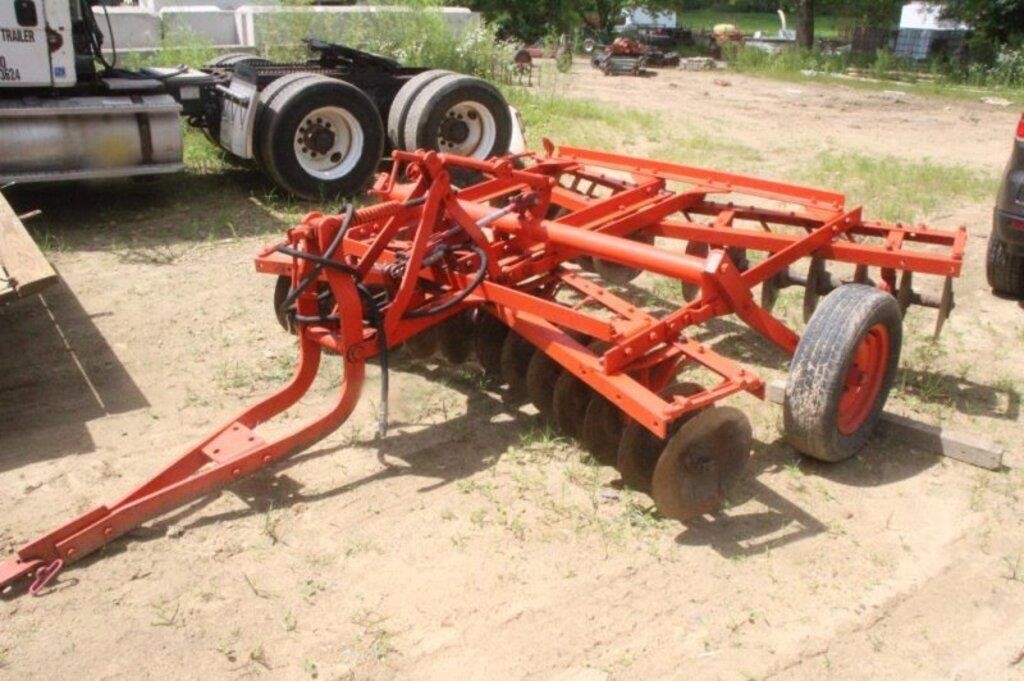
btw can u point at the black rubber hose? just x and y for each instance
(478, 278)
(346, 223)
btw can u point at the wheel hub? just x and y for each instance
(455, 130)
(317, 137)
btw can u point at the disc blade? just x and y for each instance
(541, 375)
(516, 352)
(423, 345)
(616, 273)
(812, 290)
(569, 403)
(488, 336)
(455, 338)
(946, 305)
(699, 250)
(905, 291)
(639, 448)
(701, 462)
(602, 430)
(770, 290)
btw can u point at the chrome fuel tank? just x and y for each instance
(44, 139)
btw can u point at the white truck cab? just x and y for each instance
(36, 47)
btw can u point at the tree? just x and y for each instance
(805, 24)
(530, 20)
(998, 21)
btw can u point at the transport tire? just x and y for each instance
(1004, 268)
(403, 100)
(841, 374)
(459, 115)
(321, 138)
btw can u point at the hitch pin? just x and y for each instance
(44, 575)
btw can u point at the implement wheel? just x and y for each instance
(842, 372)
(701, 462)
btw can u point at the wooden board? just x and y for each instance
(929, 438)
(25, 269)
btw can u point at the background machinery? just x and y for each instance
(317, 128)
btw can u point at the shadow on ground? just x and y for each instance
(428, 454)
(57, 373)
(735, 533)
(123, 215)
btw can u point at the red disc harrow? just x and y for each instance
(526, 266)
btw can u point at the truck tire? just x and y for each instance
(403, 100)
(842, 372)
(267, 96)
(1004, 268)
(459, 115)
(321, 138)
(234, 59)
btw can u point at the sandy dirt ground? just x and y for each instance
(469, 542)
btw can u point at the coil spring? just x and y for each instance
(376, 212)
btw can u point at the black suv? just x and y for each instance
(1005, 261)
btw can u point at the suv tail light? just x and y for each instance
(1020, 129)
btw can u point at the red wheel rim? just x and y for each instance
(864, 379)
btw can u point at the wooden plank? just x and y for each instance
(923, 436)
(23, 265)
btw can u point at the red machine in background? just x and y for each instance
(526, 266)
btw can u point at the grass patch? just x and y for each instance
(825, 26)
(702, 149)
(881, 71)
(202, 156)
(580, 122)
(893, 189)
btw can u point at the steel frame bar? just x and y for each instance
(508, 245)
(229, 453)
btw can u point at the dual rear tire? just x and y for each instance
(450, 113)
(320, 138)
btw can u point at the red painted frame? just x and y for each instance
(532, 216)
